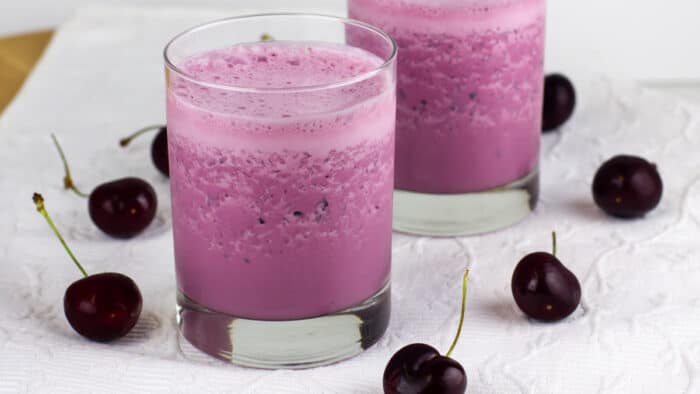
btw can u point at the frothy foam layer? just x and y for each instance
(277, 65)
(271, 120)
(443, 3)
(447, 16)
(280, 65)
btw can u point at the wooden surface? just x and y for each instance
(18, 54)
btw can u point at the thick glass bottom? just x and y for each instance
(445, 215)
(292, 344)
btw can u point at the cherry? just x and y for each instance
(101, 307)
(159, 147)
(627, 186)
(122, 208)
(544, 288)
(420, 369)
(559, 101)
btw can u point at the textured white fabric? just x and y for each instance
(638, 330)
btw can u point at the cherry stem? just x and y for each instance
(67, 180)
(127, 140)
(39, 202)
(554, 243)
(461, 314)
(266, 37)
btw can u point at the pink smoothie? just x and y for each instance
(282, 203)
(470, 89)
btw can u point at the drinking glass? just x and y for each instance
(470, 83)
(281, 154)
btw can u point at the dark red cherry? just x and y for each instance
(559, 101)
(100, 307)
(103, 307)
(159, 146)
(159, 152)
(403, 368)
(123, 208)
(627, 186)
(543, 288)
(447, 376)
(420, 369)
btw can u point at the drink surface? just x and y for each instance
(470, 80)
(282, 200)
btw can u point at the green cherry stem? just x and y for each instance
(127, 140)
(266, 37)
(554, 243)
(67, 180)
(461, 314)
(39, 202)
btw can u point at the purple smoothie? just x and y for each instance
(469, 89)
(282, 203)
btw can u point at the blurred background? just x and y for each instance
(652, 41)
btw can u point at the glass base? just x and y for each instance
(292, 344)
(445, 215)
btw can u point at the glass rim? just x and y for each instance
(390, 60)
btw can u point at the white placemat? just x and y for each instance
(638, 330)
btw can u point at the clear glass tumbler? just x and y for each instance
(281, 148)
(470, 82)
